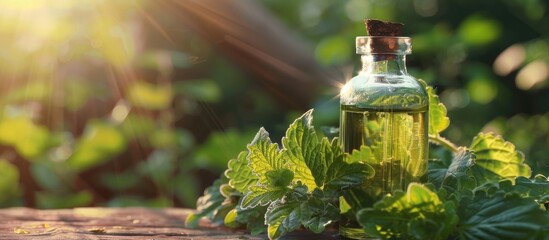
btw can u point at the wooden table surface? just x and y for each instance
(119, 223)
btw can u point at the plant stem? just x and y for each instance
(439, 140)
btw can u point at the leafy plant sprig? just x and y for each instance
(478, 192)
(296, 185)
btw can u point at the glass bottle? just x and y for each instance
(385, 111)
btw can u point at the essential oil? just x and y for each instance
(384, 112)
(398, 142)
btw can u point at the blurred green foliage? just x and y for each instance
(98, 108)
(460, 48)
(80, 107)
(8, 184)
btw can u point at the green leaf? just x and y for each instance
(298, 193)
(264, 156)
(365, 155)
(416, 214)
(314, 210)
(336, 149)
(230, 219)
(319, 162)
(438, 121)
(454, 175)
(502, 216)
(341, 174)
(221, 213)
(208, 204)
(262, 195)
(240, 174)
(283, 217)
(302, 149)
(279, 178)
(537, 188)
(320, 212)
(227, 191)
(497, 159)
(192, 220)
(254, 218)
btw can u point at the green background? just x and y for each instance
(124, 103)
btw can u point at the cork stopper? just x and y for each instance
(384, 40)
(382, 28)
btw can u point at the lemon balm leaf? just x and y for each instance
(365, 154)
(283, 218)
(502, 216)
(262, 196)
(416, 214)
(300, 183)
(536, 188)
(263, 155)
(497, 159)
(438, 121)
(207, 204)
(453, 175)
(341, 174)
(320, 211)
(240, 174)
(302, 151)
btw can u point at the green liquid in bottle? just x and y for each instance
(398, 143)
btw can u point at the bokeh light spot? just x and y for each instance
(482, 90)
(426, 8)
(357, 10)
(455, 98)
(532, 74)
(509, 60)
(120, 111)
(478, 30)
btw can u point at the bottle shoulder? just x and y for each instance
(384, 91)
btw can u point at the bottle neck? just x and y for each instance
(384, 64)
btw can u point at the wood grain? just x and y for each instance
(119, 223)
